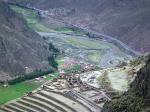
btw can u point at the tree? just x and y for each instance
(52, 62)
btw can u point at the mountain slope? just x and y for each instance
(126, 20)
(137, 97)
(21, 49)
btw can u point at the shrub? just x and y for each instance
(52, 62)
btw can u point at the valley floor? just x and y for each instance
(86, 89)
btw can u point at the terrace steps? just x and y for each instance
(5, 109)
(23, 107)
(32, 105)
(14, 108)
(72, 98)
(46, 101)
(40, 103)
(71, 102)
(48, 96)
(68, 101)
(59, 107)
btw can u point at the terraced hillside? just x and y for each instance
(47, 100)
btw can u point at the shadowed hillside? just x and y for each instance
(126, 20)
(21, 49)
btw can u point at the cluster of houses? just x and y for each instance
(69, 62)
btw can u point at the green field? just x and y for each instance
(32, 19)
(69, 30)
(18, 90)
(87, 43)
(63, 29)
(95, 56)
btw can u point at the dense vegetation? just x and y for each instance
(55, 51)
(30, 76)
(51, 59)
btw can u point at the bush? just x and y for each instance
(53, 50)
(51, 59)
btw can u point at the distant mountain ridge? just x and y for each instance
(126, 20)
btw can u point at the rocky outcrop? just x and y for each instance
(136, 97)
(21, 49)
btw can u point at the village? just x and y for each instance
(87, 82)
(83, 86)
